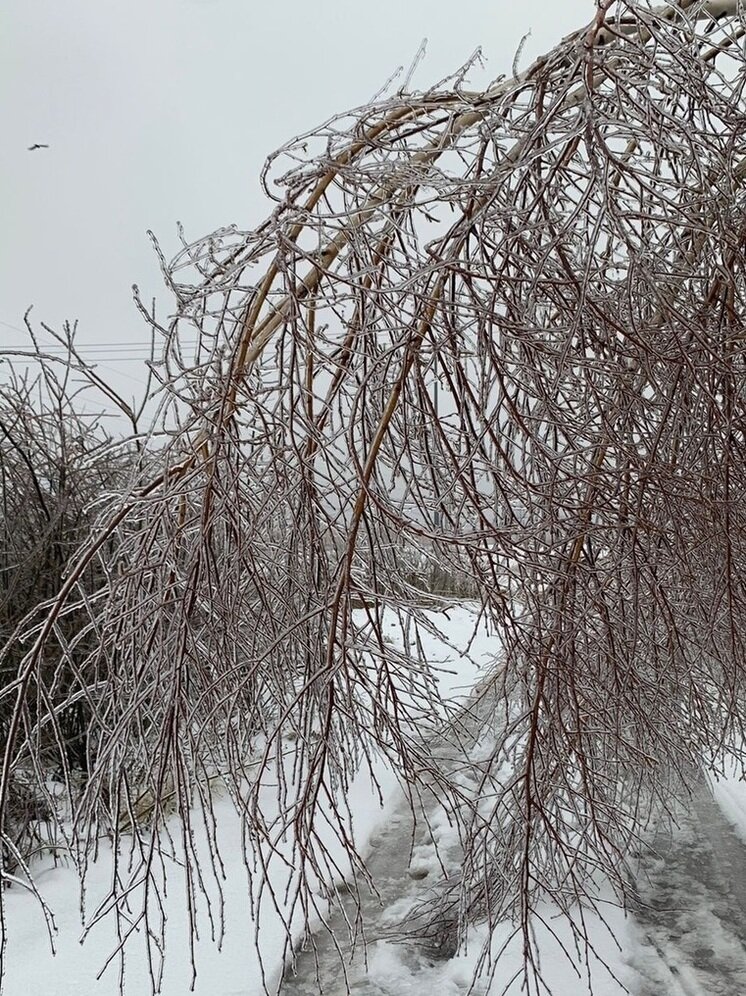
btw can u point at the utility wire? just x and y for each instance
(113, 348)
(96, 359)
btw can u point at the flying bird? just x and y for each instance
(37, 145)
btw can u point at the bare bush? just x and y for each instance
(57, 461)
(563, 256)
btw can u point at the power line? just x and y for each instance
(87, 347)
(16, 327)
(33, 358)
(114, 350)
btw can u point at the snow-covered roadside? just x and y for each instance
(729, 793)
(233, 967)
(392, 968)
(396, 968)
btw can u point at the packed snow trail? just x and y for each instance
(407, 967)
(408, 859)
(407, 863)
(388, 968)
(689, 938)
(692, 916)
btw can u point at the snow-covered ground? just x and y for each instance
(396, 968)
(228, 968)
(690, 929)
(688, 941)
(229, 961)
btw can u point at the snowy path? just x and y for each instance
(406, 864)
(382, 967)
(689, 938)
(694, 917)
(388, 968)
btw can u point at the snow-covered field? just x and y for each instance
(227, 968)
(646, 956)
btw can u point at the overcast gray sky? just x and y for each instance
(158, 111)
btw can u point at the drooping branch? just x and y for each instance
(494, 334)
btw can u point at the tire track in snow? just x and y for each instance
(386, 968)
(692, 912)
(389, 968)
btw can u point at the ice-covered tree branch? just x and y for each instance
(495, 333)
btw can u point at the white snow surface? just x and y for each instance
(232, 967)
(730, 794)
(606, 973)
